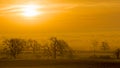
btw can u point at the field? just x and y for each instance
(83, 63)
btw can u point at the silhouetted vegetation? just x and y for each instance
(105, 46)
(33, 44)
(53, 48)
(13, 46)
(95, 44)
(117, 53)
(60, 48)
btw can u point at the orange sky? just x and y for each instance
(72, 16)
(62, 16)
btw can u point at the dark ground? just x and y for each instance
(83, 63)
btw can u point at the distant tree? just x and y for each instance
(95, 44)
(64, 49)
(105, 46)
(46, 52)
(117, 53)
(14, 46)
(59, 47)
(34, 45)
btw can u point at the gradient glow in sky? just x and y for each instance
(99, 17)
(62, 16)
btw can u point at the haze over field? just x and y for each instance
(77, 21)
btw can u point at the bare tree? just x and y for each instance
(34, 45)
(95, 44)
(117, 53)
(14, 46)
(105, 46)
(59, 47)
(46, 51)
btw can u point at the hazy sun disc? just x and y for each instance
(30, 10)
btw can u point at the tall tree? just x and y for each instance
(59, 47)
(14, 46)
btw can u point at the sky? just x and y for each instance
(68, 17)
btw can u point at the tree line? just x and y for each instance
(54, 48)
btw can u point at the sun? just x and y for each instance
(30, 10)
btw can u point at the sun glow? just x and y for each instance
(30, 10)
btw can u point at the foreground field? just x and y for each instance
(60, 63)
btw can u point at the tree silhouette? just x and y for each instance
(95, 44)
(117, 53)
(46, 51)
(59, 47)
(14, 46)
(34, 45)
(105, 46)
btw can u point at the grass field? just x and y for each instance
(83, 63)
